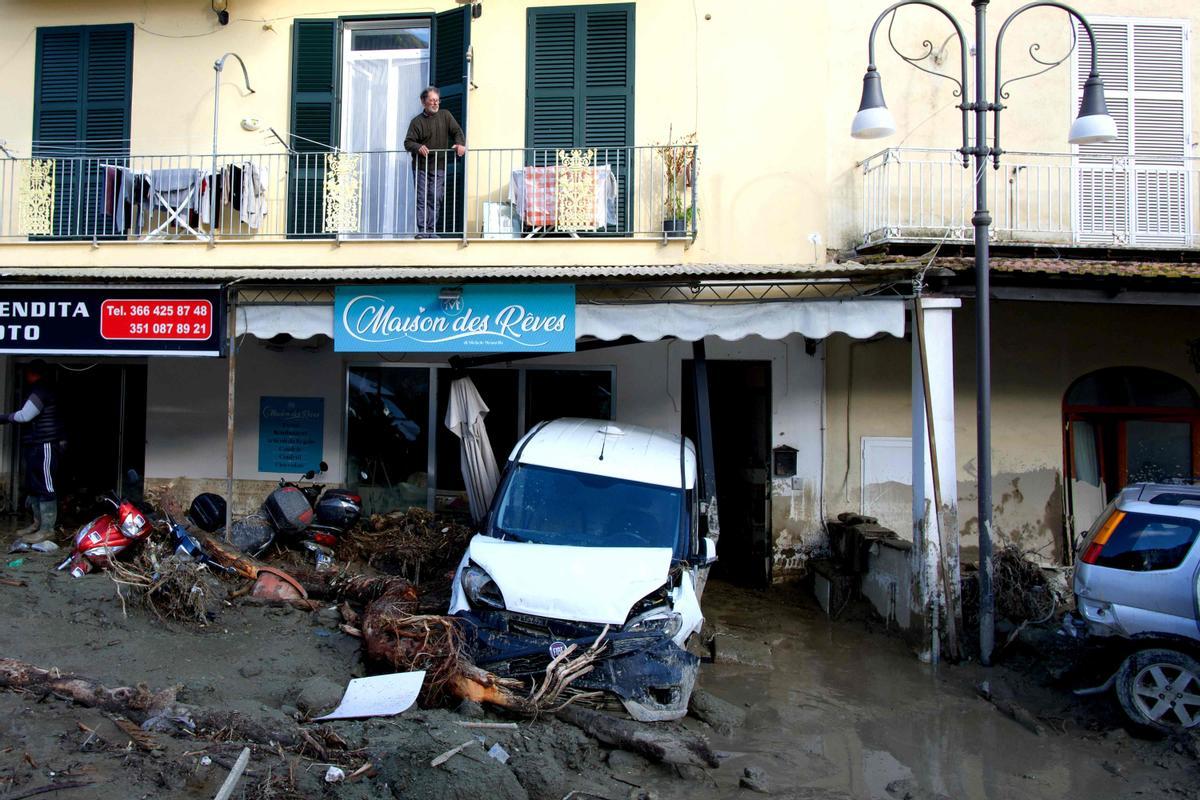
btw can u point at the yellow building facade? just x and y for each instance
(771, 204)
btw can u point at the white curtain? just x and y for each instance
(382, 94)
(1087, 488)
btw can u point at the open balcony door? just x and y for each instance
(385, 67)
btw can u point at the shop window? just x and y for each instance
(554, 393)
(498, 388)
(391, 411)
(387, 436)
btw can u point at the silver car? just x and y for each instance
(1137, 584)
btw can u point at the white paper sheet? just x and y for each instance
(378, 696)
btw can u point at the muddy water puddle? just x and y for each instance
(853, 712)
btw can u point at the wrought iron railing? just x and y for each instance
(513, 193)
(917, 195)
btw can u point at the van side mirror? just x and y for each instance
(708, 551)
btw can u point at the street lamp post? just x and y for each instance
(1092, 124)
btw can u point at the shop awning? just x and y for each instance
(816, 319)
(298, 321)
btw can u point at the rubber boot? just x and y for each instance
(47, 518)
(32, 527)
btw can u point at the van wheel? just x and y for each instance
(1159, 690)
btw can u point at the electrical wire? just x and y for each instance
(334, 11)
(144, 29)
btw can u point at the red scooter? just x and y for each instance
(102, 539)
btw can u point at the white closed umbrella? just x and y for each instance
(464, 417)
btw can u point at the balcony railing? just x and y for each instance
(918, 195)
(513, 193)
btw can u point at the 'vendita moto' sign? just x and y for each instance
(98, 320)
(485, 318)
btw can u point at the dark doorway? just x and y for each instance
(104, 411)
(740, 402)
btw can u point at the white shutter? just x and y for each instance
(1134, 190)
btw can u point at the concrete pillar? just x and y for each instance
(935, 536)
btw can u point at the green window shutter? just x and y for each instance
(83, 88)
(607, 77)
(315, 120)
(448, 71)
(108, 87)
(553, 81)
(58, 92)
(580, 86)
(451, 39)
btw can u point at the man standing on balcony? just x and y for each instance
(428, 141)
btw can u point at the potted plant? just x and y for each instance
(679, 159)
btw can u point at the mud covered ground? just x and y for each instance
(834, 710)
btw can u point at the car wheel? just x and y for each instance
(1159, 690)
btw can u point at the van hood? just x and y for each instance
(582, 584)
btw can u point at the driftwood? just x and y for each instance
(50, 787)
(139, 704)
(1001, 698)
(229, 556)
(645, 740)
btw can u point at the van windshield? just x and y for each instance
(551, 506)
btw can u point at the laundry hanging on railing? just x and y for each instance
(241, 187)
(179, 198)
(125, 199)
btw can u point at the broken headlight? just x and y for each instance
(480, 589)
(658, 621)
(656, 599)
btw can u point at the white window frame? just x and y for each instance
(1081, 56)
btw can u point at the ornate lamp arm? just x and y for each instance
(997, 106)
(963, 106)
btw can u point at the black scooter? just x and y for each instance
(300, 514)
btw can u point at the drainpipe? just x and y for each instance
(232, 358)
(708, 472)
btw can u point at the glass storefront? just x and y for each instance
(399, 452)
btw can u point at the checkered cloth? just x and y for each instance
(534, 193)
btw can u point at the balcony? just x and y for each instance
(489, 194)
(920, 196)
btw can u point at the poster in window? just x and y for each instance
(290, 434)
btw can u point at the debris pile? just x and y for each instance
(413, 543)
(1024, 592)
(174, 587)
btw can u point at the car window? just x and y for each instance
(550, 506)
(1147, 542)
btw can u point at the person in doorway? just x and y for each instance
(42, 445)
(430, 135)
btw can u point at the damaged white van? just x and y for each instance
(594, 524)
